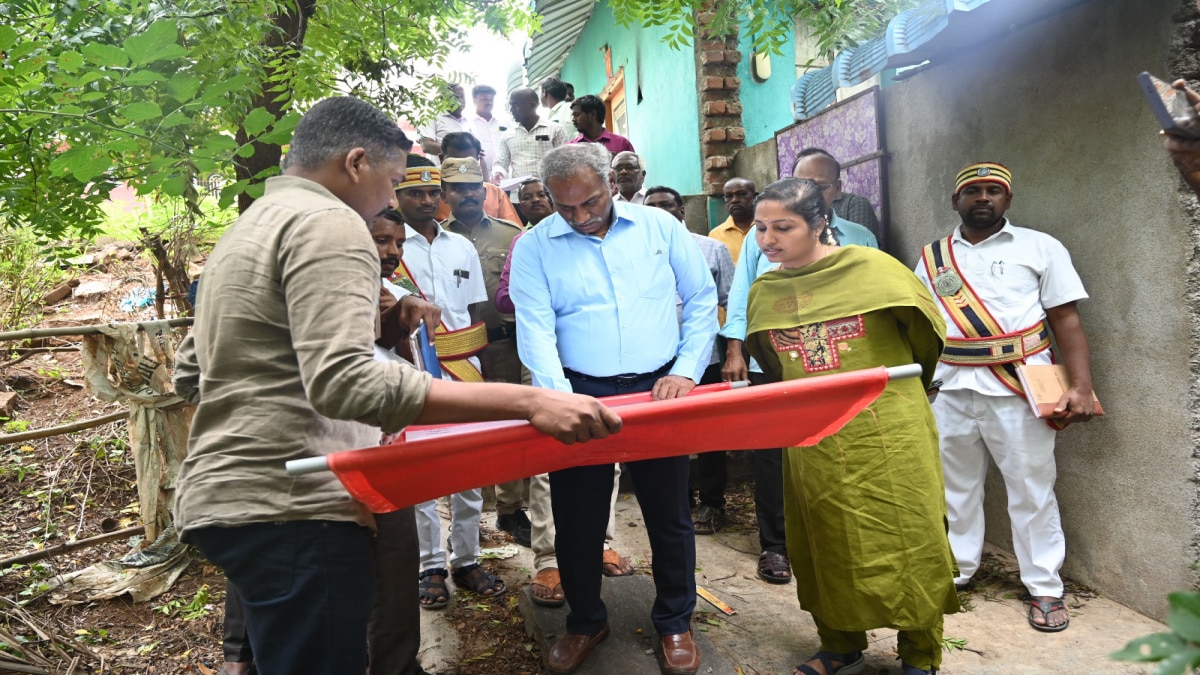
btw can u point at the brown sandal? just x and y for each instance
(549, 580)
(774, 568)
(616, 566)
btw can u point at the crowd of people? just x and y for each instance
(581, 282)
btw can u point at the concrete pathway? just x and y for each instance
(769, 634)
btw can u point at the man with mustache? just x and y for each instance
(1010, 286)
(444, 268)
(588, 114)
(628, 176)
(465, 191)
(594, 287)
(496, 203)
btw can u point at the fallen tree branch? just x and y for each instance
(11, 667)
(64, 429)
(78, 330)
(69, 546)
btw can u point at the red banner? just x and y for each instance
(437, 461)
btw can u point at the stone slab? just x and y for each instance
(630, 643)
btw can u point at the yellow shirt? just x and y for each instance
(727, 233)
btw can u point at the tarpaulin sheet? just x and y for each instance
(434, 462)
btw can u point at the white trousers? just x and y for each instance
(465, 509)
(971, 426)
(542, 520)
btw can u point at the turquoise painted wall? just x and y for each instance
(766, 106)
(664, 126)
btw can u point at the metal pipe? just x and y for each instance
(299, 467)
(904, 372)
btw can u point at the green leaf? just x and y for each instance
(1179, 663)
(142, 78)
(105, 55)
(246, 151)
(154, 43)
(139, 111)
(1153, 647)
(256, 190)
(173, 120)
(220, 143)
(83, 164)
(1184, 618)
(70, 61)
(183, 87)
(257, 121)
(8, 37)
(175, 186)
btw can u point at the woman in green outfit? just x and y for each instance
(865, 508)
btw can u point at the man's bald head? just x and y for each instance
(821, 168)
(523, 103)
(739, 194)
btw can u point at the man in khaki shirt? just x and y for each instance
(281, 364)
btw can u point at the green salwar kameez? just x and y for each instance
(865, 508)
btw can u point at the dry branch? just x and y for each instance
(64, 429)
(33, 333)
(69, 546)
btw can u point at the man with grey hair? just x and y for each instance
(594, 287)
(281, 366)
(628, 176)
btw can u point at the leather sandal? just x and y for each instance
(709, 520)
(774, 568)
(613, 565)
(1046, 608)
(479, 581)
(551, 581)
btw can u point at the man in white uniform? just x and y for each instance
(444, 268)
(1002, 290)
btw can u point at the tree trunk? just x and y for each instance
(285, 43)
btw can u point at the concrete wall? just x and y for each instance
(664, 125)
(1056, 101)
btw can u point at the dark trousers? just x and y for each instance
(767, 468)
(711, 473)
(394, 631)
(306, 587)
(579, 498)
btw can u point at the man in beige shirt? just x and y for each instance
(281, 364)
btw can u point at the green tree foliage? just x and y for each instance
(833, 23)
(162, 94)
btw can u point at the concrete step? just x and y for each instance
(629, 647)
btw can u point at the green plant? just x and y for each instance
(189, 610)
(15, 426)
(953, 643)
(1177, 652)
(27, 272)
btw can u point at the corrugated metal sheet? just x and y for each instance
(935, 27)
(562, 23)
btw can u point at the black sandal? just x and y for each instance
(479, 581)
(1046, 608)
(435, 592)
(852, 664)
(775, 568)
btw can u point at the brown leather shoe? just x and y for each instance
(677, 654)
(572, 649)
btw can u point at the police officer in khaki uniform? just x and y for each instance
(463, 189)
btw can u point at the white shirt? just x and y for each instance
(488, 132)
(561, 113)
(1017, 273)
(441, 125)
(433, 268)
(639, 197)
(521, 150)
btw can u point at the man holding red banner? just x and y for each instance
(1002, 289)
(594, 287)
(280, 362)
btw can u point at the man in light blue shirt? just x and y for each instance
(594, 288)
